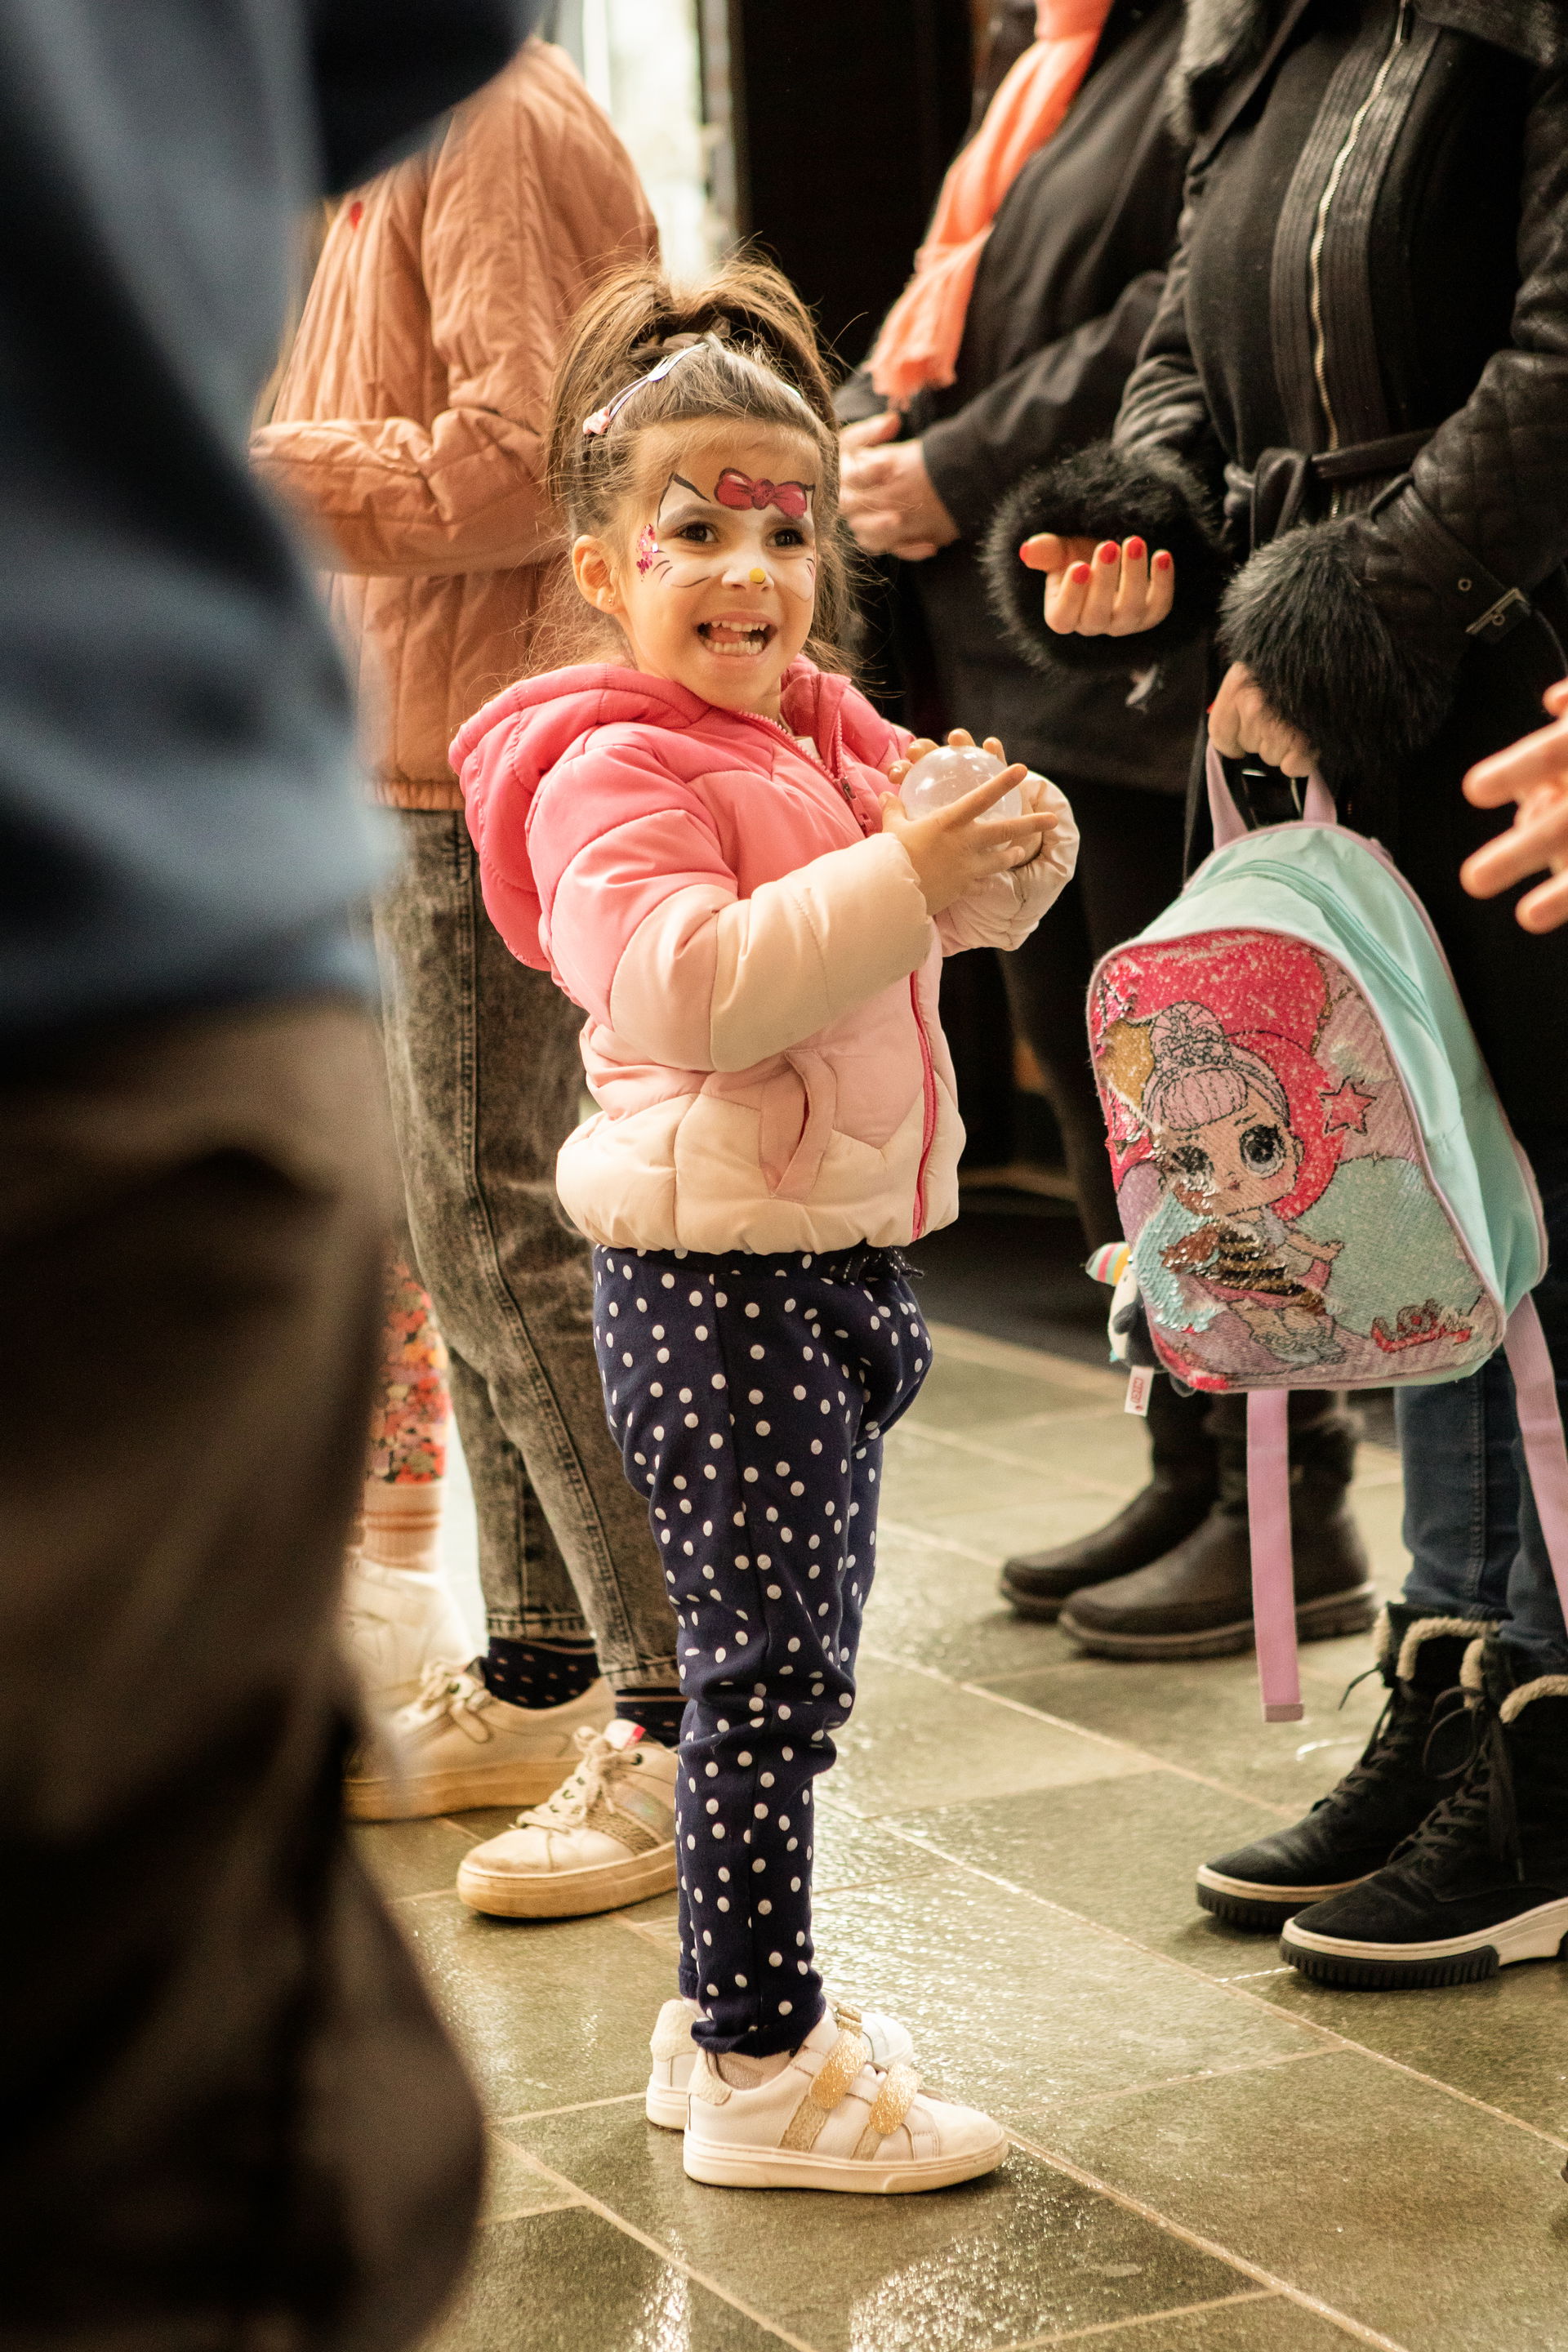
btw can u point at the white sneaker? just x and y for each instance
(606, 1837)
(455, 1746)
(675, 2054)
(834, 2119)
(397, 1623)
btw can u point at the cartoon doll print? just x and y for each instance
(1219, 1127)
(1278, 1207)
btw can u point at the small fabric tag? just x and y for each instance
(622, 1734)
(1139, 1387)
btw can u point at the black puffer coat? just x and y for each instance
(1067, 287)
(1374, 250)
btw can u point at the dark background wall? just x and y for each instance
(844, 114)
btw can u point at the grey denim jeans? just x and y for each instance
(484, 1075)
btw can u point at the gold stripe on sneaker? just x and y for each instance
(839, 2070)
(892, 2103)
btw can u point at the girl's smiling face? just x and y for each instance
(712, 573)
(1241, 1162)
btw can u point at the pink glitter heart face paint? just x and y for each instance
(649, 553)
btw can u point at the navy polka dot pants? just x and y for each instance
(749, 1395)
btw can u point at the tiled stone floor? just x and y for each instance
(1210, 2155)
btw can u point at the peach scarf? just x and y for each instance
(921, 333)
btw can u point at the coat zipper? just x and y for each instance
(928, 1067)
(1325, 204)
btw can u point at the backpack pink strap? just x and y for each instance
(1273, 1574)
(1317, 807)
(1541, 1426)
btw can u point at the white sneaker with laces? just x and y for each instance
(675, 2055)
(455, 1746)
(605, 1837)
(832, 2119)
(397, 1623)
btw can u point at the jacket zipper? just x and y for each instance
(1325, 204)
(928, 1067)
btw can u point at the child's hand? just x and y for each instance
(1533, 772)
(1101, 589)
(959, 845)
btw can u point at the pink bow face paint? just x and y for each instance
(733, 489)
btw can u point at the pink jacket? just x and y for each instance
(752, 952)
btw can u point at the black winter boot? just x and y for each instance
(1404, 1770)
(1184, 1479)
(1196, 1603)
(1484, 1880)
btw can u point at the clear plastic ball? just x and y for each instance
(946, 774)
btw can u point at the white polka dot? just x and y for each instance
(753, 1396)
(758, 1354)
(775, 1959)
(667, 1280)
(784, 2008)
(741, 1981)
(750, 1476)
(718, 1829)
(701, 1332)
(751, 1307)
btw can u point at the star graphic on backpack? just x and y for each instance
(1346, 1109)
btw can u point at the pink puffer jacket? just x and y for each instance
(753, 953)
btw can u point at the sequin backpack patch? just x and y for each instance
(1316, 1180)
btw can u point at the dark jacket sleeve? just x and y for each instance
(1355, 629)
(1161, 475)
(1058, 396)
(385, 69)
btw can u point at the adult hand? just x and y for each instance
(1100, 588)
(958, 847)
(887, 499)
(1533, 773)
(1242, 718)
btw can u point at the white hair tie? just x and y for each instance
(603, 418)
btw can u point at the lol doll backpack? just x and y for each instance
(1317, 1183)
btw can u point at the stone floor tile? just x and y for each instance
(927, 1480)
(1257, 2323)
(514, 2187)
(1444, 2230)
(1095, 1441)
(550, 2012)
(411, 1857)
(938, 1606)
(1204, 1713)
(1120, 1852)
(914, 1739)
(1024, 2010)
(1504, 2041)
(849, 1852)
(571, 2281)
(965, 2270)
(962, 1395)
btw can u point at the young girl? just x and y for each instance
(696, 836)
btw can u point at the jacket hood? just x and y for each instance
(518, 736)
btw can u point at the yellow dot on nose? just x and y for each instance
(758, 576)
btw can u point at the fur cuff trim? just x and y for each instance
(1299, 618)
(1427, 1629)
(1543, 1687)
(1097, 493)
(1471, 1677)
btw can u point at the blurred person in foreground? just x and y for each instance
(409, 429)
(231, 2115)
(1042, 273)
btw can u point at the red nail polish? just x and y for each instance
(1081, 575)
(1162, 561)
(1109, 552)
(1135, 551)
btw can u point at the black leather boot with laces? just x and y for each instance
(1352, 1830)
(1484, 1881)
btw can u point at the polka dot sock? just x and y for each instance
(657, 1711)
(538, 1674)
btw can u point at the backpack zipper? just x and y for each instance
(1369, 946)
(1325, 204)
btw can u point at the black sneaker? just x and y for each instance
(1484, 1881)
(1353, 1830)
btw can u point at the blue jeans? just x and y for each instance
(1470, 1524)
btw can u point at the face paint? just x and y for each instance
(735, 489)
(650, 551)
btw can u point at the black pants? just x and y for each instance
(749, 1395)
(231, 2116)
(1129, 867)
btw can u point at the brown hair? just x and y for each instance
(757, 362)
